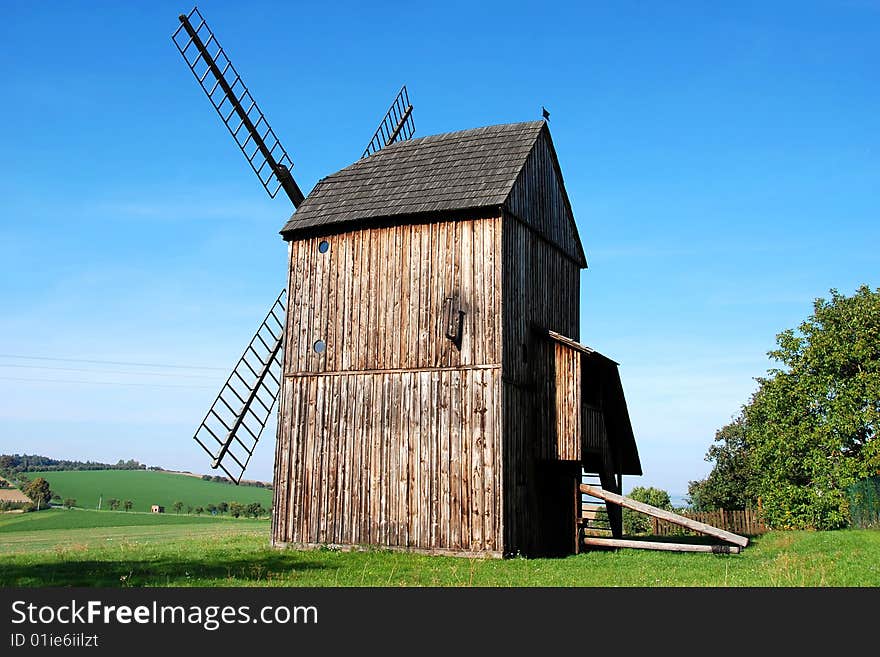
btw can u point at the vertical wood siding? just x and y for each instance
(401, 459)
(541, 290)
(392, 435)
(376, 297)
(563, 440)
(538, 198)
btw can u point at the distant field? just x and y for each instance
(13, 495)
(146, 487)
(53, 519)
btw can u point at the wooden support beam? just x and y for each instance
(669, 516)
(657, 545)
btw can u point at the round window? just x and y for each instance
(320, 346)
(324, 246)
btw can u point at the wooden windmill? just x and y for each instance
(433, 392)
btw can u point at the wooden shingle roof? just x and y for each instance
(462, 170)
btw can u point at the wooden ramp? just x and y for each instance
(668, 516)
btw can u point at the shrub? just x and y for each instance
(638, 523)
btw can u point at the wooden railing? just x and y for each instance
(748, 522)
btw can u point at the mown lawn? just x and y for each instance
(62, 529)
(236, 553)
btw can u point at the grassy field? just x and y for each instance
(62, 530)
(65, 548)
(146, 487)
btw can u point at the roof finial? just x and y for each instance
(545, 113)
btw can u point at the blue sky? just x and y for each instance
(723, 165)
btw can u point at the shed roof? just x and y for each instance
(618, 426)
(462, 170)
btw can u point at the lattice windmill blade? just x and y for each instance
(236, 107)
(232, 427)
(398, 124)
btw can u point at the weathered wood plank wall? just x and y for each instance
(541, 290)
(538, 198)
(563, 440)
(376, 297)
(406, 459)
(392, 435)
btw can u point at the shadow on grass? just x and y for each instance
(161, 571)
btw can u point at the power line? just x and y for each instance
(105, 371)
(103, 383)
(110, 362)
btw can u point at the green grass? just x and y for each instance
(62, 531)
(226, 552)
(83, 519)
(146, 487)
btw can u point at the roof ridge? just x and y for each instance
(447, 171)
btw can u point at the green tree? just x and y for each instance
(177, 506)
(189, 509)
(223, 507)
(212, 509)
(254, 510)
(236, 509)
(38, 490)
(200, 510)
(69, 502)
(113, 503)
(127, 505)
(729, 484)
(638, 523)
(812, 424)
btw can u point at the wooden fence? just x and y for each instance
(747, 523)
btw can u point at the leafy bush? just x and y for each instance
(810, 431)
(728, 485)
(812, 425)
(638, 523)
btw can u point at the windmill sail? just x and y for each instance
(232, 427)
(398, 124)
(237, 108)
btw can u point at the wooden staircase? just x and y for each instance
(737, 542)
(592, 517)
(587, 426)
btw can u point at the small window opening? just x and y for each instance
(320, 346)
(324, 246)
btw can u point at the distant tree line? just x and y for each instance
(243, 482)
(234, 509)
(15, 463)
